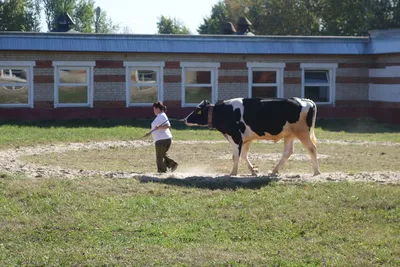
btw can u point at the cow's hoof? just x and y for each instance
(233, 174)
(317, 173)
(274, 174)
(254, 172)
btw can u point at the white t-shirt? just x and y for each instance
(161, 134)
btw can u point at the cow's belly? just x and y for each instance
(250, 135)
(267, 136)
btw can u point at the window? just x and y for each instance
(199, 82)
(318, 82)
(265, 79)
(16, 83)
(144, 83)
(73, 83)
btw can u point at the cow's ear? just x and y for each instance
(206, 102)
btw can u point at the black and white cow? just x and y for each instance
(243, 120)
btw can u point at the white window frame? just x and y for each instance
(259, 66)
(28, 66)
(89, 67)
(156, 66)
(331, 68)
(200, 66)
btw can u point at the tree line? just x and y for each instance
(305, 17)
(25, 15)
(268, 17)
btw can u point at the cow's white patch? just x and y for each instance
(305, 103)
(300, 101)
(238, 103)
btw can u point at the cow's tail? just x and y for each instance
(314, 117)
(311, 117)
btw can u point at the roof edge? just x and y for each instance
(181, 36)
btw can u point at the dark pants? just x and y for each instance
(163, 159)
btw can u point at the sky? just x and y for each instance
(142, 16)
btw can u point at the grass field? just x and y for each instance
(45, 132)
(92, 222)
(124, 222)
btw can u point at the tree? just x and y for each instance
(20, 15)
(167, 25)
(106, 25)
(306, 17)
(53, 8)
(276, 17)
(357, 17)
(84, 16)
(215, 23)
(126, 30)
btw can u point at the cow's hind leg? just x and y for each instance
(287, 151)
(312, 150)
(244, 155)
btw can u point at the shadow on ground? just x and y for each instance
(213, 183)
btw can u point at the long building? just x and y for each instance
(75, 75)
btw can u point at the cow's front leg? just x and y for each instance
(236, 149)
(235, 159)
(245, 153)
(236, 143)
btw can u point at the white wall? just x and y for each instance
(385, 92)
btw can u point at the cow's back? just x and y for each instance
(270, 115)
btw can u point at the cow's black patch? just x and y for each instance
(270, 115)
(310, 116)
(200, 115)
(242, 127)
(225, 120)
(237, 115)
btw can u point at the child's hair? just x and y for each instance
(160, 105)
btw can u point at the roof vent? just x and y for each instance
(63, 23)
(244, 26)
(229, 28)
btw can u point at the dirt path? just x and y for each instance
(10, 162)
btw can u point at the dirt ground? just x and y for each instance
(10, 162)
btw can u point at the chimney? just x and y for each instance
(244, 26)
(229, 28)
(63, 23)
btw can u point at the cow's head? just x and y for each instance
(199, 116)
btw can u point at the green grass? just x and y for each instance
(33, 133)
(92, 222)
(357, 129)
(125, 222)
